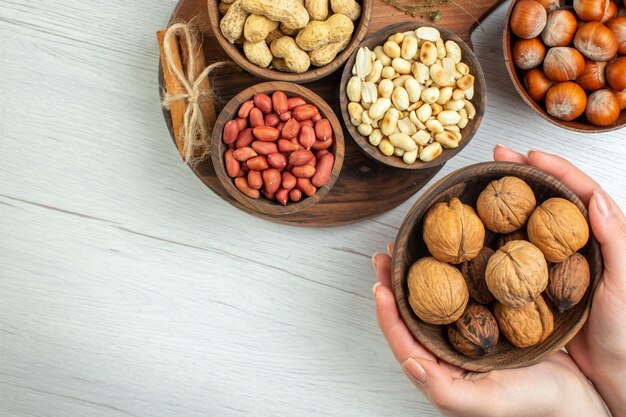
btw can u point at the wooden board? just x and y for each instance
(365, 188)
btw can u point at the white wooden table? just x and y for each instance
(127, 288)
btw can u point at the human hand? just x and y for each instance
(599, 349)
(554, 387)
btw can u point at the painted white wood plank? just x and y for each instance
(130, 289)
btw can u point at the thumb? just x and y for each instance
(453, 396)
(609, 227)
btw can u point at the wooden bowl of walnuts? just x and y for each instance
(569, 63)
(495, 267)
(287, 40)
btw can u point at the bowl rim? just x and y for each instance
(574, 125)
(237, 55)
(427, 199)
(262, 205)
(393, 161)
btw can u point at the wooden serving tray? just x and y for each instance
(365, 188)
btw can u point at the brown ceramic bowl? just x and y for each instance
(314, 73)
(466, 184)
(577, 125)
(218, 148)
(479, 101)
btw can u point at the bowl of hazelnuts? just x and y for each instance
(495, 266)
(568, 61)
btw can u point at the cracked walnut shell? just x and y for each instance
(437, 291)
(475, 334)
(517, 273)
(558, 229)
(505, 204)
(527, 325)
(568, 282)
(453, 232)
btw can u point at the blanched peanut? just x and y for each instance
(413, 89)
(382, 56)
(353, 89)
(398, 152)
(386, 147)
(464, 119)
(364, 129)
(431, 151)
(471, 110)
(409, 48)
(396, 37)
(427, 33)
(421, 138)
(458, 94)
(420, 72)
(465, 82)
(441, 48)
(430, 95)
(400, 98)
(375, 73)
(455, 105)
(369, 93)
(388, 72)
(390, 122)
(379, 108)
(453, 51)
(437, 108)
(406, 126)
(447, 139)
(375, 137)
(410, 157)
(448, 117)
(452, 128)
(355, 110)
(365, 118)
(445, 94)
(463, 68)
(399, 81)
(391, 49)
(402, 66)
(428, 53)
(402, 141)
(424, 112)
(434, 126)
(469, 93)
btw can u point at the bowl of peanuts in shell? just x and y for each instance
(412, 95)
(290, 40)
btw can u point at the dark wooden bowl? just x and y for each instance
(314, 73)
(218, 148)
(466, 184)
(479, 101)
(577, 125)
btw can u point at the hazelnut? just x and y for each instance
(517, 273)
(527, 325)
(568, 282)
(505, 205)
(516, 235)
(474, 273)
(453, 232)
(558, 229)
(475, 333)
(437, 291)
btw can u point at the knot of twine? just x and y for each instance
(195, 131)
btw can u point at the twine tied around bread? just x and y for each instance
(195, 132)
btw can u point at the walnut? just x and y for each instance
(568, 282)
(516, 235)
(437, 291)
(527, 325)
(474, 273)
(558, 228)
(453, 232)
(516, 273)
(504, 206)
(475, 334)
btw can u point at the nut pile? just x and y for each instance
(572, 60)
(289, 35)
(278, 146)
(480, 291)
(412, 95)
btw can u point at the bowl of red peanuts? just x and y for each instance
(277, 148)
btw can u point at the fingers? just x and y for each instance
(565, 171)
(502, 153)
(400, 339)
(609, 227)
(382, 266)
(453, 396)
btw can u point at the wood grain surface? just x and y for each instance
(467, 184)
(130, 289)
